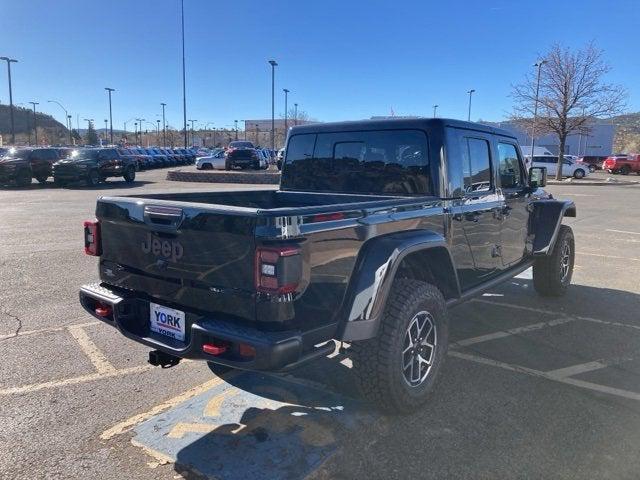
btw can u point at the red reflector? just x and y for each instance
(247, 350)
(328, 217)
(214, 349)
(103, 310)
(92, 237)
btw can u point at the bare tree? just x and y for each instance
(572, 95)
(297, 117)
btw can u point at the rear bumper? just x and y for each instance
(274, 351)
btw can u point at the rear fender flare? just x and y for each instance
(373, 276)
(545, 223)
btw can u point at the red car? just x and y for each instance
(624, 164)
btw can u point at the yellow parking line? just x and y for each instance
(128, 424)
(91, 350)
(73, 380)
(46, 330)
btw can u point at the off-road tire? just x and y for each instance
(23, 178)
(129, 175)
(549, 278)
(378, 362)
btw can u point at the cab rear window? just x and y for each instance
(391, 162)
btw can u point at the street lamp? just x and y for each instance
(109, 90)
(295, 114)
(286, 95)
(67, 116)
(13, 130)
(273, 64)
(35, 120)
(538, 65)
(184, 79)
(106, 123)
(158, 130)
(192, 122)
(470, 92)
(140, 120)
(164, 127)
(236, 128)
(435, 108)
(71, 142)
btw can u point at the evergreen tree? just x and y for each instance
(91, 136)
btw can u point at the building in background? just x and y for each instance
(599, 141)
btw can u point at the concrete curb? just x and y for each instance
(220, 176)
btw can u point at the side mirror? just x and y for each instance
(537, 177)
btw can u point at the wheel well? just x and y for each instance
(433, 266)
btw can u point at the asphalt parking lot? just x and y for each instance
(532, 387)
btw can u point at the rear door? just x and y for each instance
(480, 209)
(515, 216)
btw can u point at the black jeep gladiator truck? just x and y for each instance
(378, 228)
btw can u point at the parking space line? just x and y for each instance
(622, 231)
(46, 330)
(131, 422)
(576, 369)
(547, 375)
(608, 256)
(34, 387)
(91, 350)
(552, 312)
(513, 331)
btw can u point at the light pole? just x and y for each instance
(286, 97)
(245, 129)
(164, 127)
(70, 136)
(125, 126)
(184, 80)
(192, 122)
(273, 64)
(9, 62)
(538, 64)
(140, 120)
(236, 128)
(295, 114)
(135, 132)
(470, 92)
(108, 89)
(435, 108)
(67, 116)
(106, 123)
(35, 120)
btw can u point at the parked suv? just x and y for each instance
(569, 168)
(624, 164)
(21, 165)
(593, 162)
(94, 165)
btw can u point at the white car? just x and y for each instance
(211, 162)
(569, 168)
(264, 159)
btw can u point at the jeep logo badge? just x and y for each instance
(169, 249)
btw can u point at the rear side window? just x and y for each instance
(476, 164)
(376, 162)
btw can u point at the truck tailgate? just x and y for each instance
(191, 257)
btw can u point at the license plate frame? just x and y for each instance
(167, 321)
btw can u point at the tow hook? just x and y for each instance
(164, 360)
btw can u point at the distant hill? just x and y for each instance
(49, 129)
(627, 137)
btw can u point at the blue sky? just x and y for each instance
(341, 59)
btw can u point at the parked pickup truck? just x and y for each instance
(624, 164)
(378, 228)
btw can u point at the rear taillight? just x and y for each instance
(278, 269)
(92, 237)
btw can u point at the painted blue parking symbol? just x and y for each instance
(255, 427)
